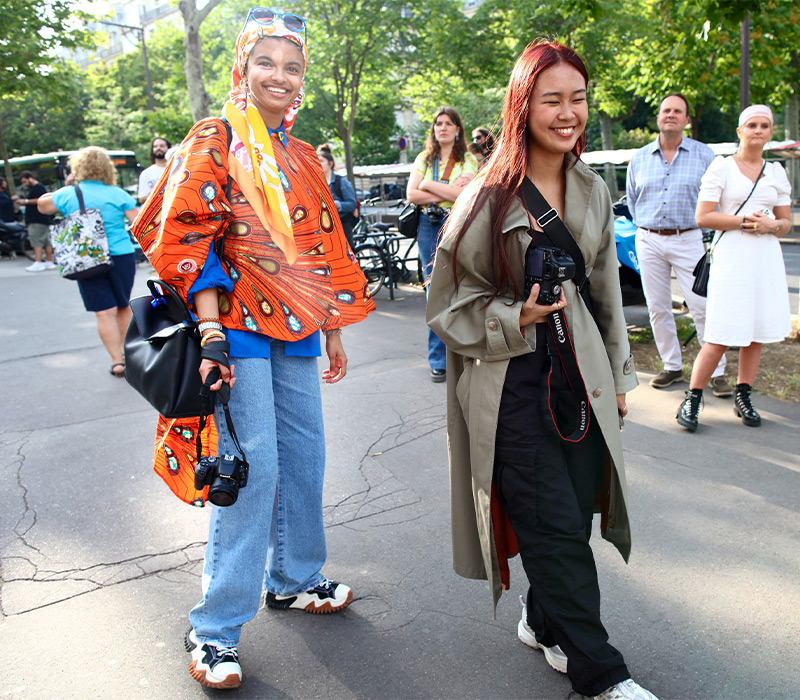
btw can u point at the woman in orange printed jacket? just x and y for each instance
(242, 225)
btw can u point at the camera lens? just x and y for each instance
(223, 492)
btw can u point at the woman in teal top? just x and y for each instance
(440, 173)
(106, 294)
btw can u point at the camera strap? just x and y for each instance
(566, 390)
(559, 234)
(565, 385)
(224, 395)
(451, 163)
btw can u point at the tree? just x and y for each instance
(354, 46)
(30, 33)
(192, 19)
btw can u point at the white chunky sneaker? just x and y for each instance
(213, 666)
(36, 267)
(326, 597)
(627, 690)
(555, 657)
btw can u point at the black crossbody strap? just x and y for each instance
(746, 199)
(554, 227)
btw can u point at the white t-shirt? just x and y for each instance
(148, 180)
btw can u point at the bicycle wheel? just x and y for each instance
(370, 259)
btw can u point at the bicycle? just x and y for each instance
(381, 256)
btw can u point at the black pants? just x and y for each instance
(548, 489)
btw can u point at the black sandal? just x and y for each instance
(117, 374)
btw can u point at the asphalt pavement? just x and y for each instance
(100, 564)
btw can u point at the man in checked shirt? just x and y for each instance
(663, 183)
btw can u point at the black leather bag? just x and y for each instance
(701, 272)
(408, 221)
(162, 354)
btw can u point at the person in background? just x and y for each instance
(440, 174)
(748, 300)
(150, 176)
(107, 294)
(38, 223)
(6, 203)
(662, 186)
(519, 480)
(483, 137)
(344, 196)
(246, 233)
(479, 152)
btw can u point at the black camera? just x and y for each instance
(436, 213)
(548, 267)
(225, 475)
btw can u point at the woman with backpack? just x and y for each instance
(344, 196)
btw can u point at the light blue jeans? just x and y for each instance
(427, 238)
(273, 537)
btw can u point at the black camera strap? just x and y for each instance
(565, 385)
(224, 395)
(559, 234)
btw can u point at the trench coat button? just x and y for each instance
(596, 393)
(611, 521)
(628, 368)
(492, 325)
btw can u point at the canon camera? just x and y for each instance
(225, 475)
(549, 268)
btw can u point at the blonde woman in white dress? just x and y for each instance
(748, 299)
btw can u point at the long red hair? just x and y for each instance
(505, 171)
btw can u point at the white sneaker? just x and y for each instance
(555, 657)
(213, 666)
(36, 267)
(627, 690)
(49, 265)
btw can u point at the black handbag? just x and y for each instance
(702, 270)
(408, 221)
(162, 354)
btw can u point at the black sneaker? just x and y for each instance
(689, 411)
(326, 597)
(438, 375)
(213, 666)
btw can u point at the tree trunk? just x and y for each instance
(193, 68)
(6, 165)
(607, 140)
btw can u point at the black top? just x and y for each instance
(520, 419)
(32, 213)
(6, 207)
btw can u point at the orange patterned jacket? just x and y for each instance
(323, 289)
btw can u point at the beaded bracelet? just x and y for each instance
(332, 331)
(210, 319)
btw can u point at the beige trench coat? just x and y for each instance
(481, 339)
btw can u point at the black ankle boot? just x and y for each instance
(689, 410)
(743, 407)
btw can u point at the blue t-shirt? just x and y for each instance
(112, 202)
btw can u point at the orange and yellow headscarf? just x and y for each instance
(252, 159)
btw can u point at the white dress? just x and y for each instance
(748, 297)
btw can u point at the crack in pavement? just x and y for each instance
(383, 492)
(106, 574)
(47, 354)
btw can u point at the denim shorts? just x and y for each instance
(112, 288)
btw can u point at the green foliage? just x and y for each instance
(635, 138)
(30, 32)
(37, 121)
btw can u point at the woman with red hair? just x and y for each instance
(537, 381)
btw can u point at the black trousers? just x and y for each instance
(548, 489)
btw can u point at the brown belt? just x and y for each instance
(667, 231)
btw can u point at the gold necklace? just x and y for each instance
(752, 167)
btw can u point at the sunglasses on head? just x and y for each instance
(265, 16)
